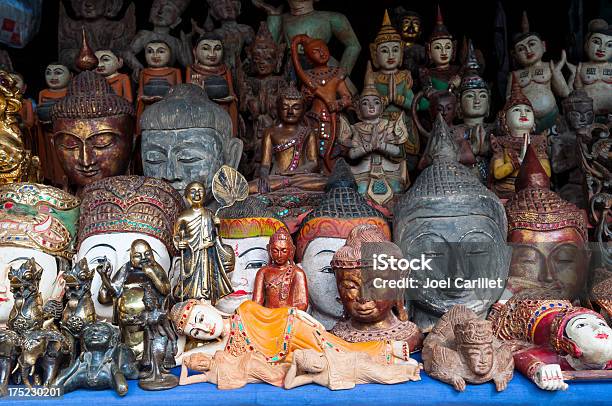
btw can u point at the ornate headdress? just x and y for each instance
(282, 234)
(535, 207)
(525, 31)
(439, 31)
(130, 204)
(263, 40)
(248, 218)
(40, 217)
(473, 332)
(341, 209)
(291, 92)
(579, 97)
(516, 97)
(369, 85)
(350, 255)
(179, 314)
(558, 339)
(387, 32)
(471, 79)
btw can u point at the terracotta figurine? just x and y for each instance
(462, 349)
(108, 66)
(281, 283)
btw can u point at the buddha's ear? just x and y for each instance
(233, 152)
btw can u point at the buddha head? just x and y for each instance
(387, 49)
(57, 76)
(108, 62)
(449, 217)
(598, 43)
(39, 222)
(291, 105)
(474, 93)
(120, 210)
(224, 10)
(547, 234)
(441, 47)
(441, 143)
(197, 318)
(246, 226)
(517, 117)
(158, 54)
(208, 51)
(578, 108)
(410, 24)
(443, 102)
(528, 48)
(364, 305)
(167, 13)
(186, 137)
(474, 339)
(370, 103)
(92, 127)
(324, 231)
(265, 55)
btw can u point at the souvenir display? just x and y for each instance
(229, 371)
(343, 370)
(108, 66)
(157, 78)
(323, 231)
(377, 149)
(105, 362)
(117, 211)
(108, 23)
(17, 164)
(410, 26)
(186, 137)
(277, 333)
(38, 223)
(164, 16)
(369, 316)
(210, 73)
(462, 348)
(323, 25)
(596, 74)
(93, 128)
(281, 283)
(246, 226)
(539, 81)
(547, 234)
(325, 87)
(289, 156)
(516, 122)
(449, 214)
(558, 337)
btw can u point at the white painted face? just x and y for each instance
(157, 54)
(209, 52)
(441, 51)
(389, 55)
(593, 336)
(108, 63)
(57, 76)
(116, 247)
(205, 323)
(322, 289)
(599, 48)
(251, 255)
(475, 103)
(529, 51)
(14, 257)
(520, 118)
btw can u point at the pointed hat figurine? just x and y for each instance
(439, 31)
(86, 60)
(531, 174)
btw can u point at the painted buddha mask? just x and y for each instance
(449, 217)
(547, 234)
(119, 210)
(246, 227)
(323, 232)
(93, 130)
(186, 137)
(36, 221)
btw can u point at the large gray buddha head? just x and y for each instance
(186, 137)
(448, 216)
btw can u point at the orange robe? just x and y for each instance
(276, 333)
(197, 74)
(49, 163)
(122, 86)
(171, 75)
(29, 120)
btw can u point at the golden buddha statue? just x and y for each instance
(16, 163)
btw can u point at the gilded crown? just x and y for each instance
(474, 332)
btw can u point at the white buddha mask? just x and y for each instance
(599, 47)
(520, 118)
(593, 336)
(529, 50)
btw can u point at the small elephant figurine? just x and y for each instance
(42, 350)
(9, 345)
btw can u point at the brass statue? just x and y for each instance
(16, 163)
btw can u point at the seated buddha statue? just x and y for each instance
(558, 338)
(289, 149)
(516, 121)
(370, 314)
(548, 235)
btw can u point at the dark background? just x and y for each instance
(473, 18)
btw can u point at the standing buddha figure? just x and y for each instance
(108, 66)
(213, 75)
(516, 121)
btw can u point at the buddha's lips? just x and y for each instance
(3, 299)
(600, 54)
(523, 119)
(240, 293)
(602, 336)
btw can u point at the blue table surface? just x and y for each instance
(428, 391)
